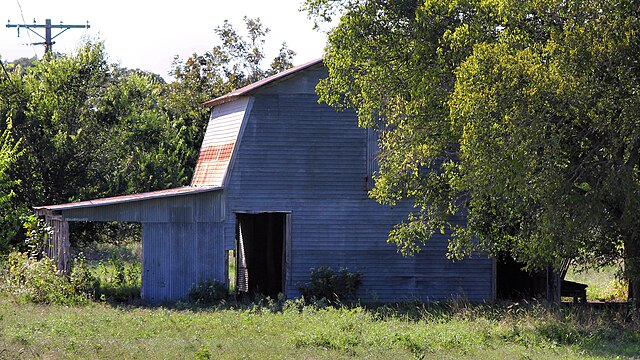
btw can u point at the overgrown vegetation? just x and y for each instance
(27, 278)
(332, 285)
(291, 329)
(44, 314)
(208, 292)
(111, 273)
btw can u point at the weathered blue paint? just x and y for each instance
(298, 156)
(295, 156)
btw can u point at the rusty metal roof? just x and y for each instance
(185, 190)
(258, 84)
(219, 143)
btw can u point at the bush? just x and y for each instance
(334, 286)
(208, 292)
(118, 278)
(39, 281)
(82, 278)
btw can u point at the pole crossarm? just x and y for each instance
(48, 39)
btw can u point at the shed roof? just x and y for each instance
(258, 84)
(185, 190)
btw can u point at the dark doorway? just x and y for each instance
(514, 283)
(260, 244)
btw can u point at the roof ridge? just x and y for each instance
(260, 83)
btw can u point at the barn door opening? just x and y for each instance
(261, 253)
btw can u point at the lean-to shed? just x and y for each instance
(280, 187)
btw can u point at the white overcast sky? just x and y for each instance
(148, 34)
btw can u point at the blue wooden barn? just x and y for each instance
(280, 187)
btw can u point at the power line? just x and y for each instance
(47, 26)
(6, 73)
(28, 34)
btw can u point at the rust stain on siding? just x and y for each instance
(212, 164)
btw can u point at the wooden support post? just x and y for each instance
(59, 245)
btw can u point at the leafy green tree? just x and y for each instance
(522, 116)
(9, 153)
(236, 61)
(88, 129)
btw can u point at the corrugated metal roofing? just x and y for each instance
(219, 142)
(258, 84)
(185, 190)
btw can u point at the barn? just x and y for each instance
(280, 187)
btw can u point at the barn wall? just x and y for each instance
(200, 207)
(182, 240)
(176, 256)
(302, 157)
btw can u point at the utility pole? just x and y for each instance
(48, 39)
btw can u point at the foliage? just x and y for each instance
(521, 116)
(37, 234)
(81, 278)
(9, 153)
(27, 278)
(333, 285)
(236, 61)
(208, 292)
(88, 128)
(402, 331)
(117, 271)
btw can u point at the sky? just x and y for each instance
(148, 35)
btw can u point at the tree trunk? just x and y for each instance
(632, 267)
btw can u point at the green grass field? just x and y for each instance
(264, 331)
(603, 283)
(118, 327)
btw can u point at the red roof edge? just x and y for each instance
(258, 84)
(185, 190)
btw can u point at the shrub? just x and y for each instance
(118, 278)
(82, 278)
(334, 286)
(38, 280)
(208, 292)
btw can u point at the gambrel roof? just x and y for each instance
(216, 151)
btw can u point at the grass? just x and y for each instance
(603, 283)
(291, 330)
(117, 269)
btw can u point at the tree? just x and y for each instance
(235, 62)
(88, 129)
(9, 152)
(523, 116)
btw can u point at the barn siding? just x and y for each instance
(183, 240)
(201, 207)
(303, 157)
(176, 256)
